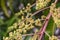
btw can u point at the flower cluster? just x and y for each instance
(13, 36)
(41, 3)
(24, 24)
(53, 38)
(55, 14)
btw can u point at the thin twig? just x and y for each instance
(47, 34)
(39, 11)
(28, 34)
(36, 33)
(33, 5)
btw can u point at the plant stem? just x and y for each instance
(42, 30)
